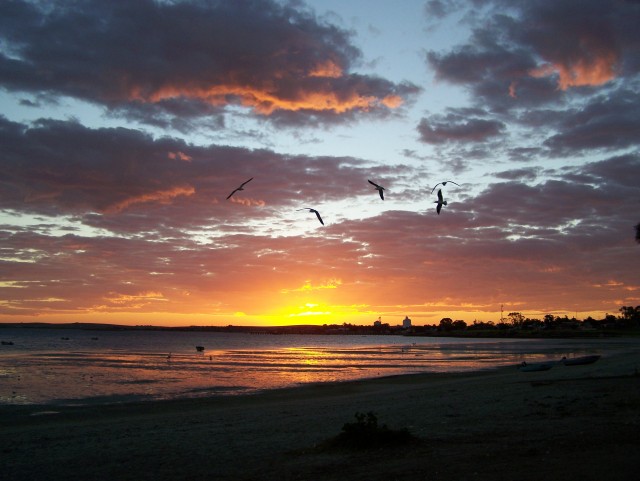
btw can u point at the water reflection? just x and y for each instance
(116, 370)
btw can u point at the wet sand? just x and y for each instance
(568, 423)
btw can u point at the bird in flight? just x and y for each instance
(315, 212)
(443, 184)
(239, 188)
(379, 188)
(440, 202)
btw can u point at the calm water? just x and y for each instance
(66, 366)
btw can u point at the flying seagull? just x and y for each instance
(443, 184)
(315, 212)
(379, 188)
(239, 188)
(440, 202)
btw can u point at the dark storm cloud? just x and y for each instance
(608, 122)
(63, 167)
(585, 43)
(566, 69)
(497, 74)
(523, 154)
(183, 115)
(436, 8)
(533, 50)
(529, 174)
(270, 58)
(616, 172)
(456, 127)
(602, 195)
(127, 181)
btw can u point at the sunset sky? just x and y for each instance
(125, 125)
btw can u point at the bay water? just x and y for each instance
(73, 366)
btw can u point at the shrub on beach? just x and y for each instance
(365, 433)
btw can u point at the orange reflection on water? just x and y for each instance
(107, 374)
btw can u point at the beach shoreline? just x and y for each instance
(577, 422)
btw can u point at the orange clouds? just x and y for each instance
(179, 156)
(317, 90)
(308, 286)
(130, 301)
(265, 101)
(247, 202)
(392, 101)
(326, 69)
(162, 196)
(582, 72)
(265, 55)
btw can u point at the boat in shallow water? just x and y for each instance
(536, 366)
(579, 361)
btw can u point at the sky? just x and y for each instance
(124, 126)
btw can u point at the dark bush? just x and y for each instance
(365, 433)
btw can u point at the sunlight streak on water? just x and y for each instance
(70, 367)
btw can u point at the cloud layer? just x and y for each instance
(97, 220)
(151, 59)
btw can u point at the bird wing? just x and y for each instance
(440, 195)
(438, 207)
(318, 216)
(379, 187)
(239, 188)
(434, 187)
(453, 182)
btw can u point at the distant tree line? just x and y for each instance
(514, 324)
(629, 318)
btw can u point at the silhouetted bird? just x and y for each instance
(443, 184)
(379, 188)
(239, 188)
(315, 212)
(440, 202)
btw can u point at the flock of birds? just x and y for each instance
(440, 202)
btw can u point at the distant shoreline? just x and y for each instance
(417, 331)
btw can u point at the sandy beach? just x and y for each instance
(568, 423)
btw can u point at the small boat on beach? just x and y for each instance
(199, 348)
(7, 343)
(536, 366)
(579, 361)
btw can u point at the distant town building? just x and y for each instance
(406, 322)
(378, 323)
